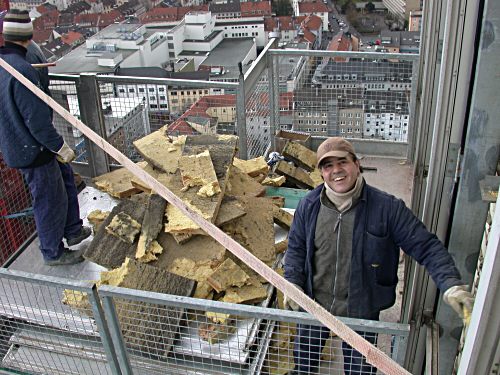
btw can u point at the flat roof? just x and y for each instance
(229, 52)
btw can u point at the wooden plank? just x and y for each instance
(300, 155)
(373, 355)
(281, 246)
(282, 218)
(117, 183)
(123, 227)
(252, 167)
(274, 181)
(226, 275)
(242, 185)
(230, 209)
(195, 259)
(141, 325)
(160, 150)
(151, 226)
(222, 150)
(296, 175)
(107, 250)
(255, 230)
(198, 170)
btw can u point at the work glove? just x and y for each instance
(290, 304)
(460, 299)
(65, 154)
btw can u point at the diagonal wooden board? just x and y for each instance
(107, 250)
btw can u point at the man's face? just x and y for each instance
(340, 173)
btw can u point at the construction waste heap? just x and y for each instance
(148, 244)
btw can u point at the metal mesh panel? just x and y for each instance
(133, 108)
(258, 117)
(63, 91)
(40, 334)
(16, 219)
(358, 95)
(191, 336)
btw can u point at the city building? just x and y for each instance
(367, 75)
(386, 116)
(315, 8)
(400, 41)
(402, 8)
(415, 21)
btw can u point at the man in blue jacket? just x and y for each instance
(343, 251)
(29, 142)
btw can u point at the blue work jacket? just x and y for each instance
(26, 128)
(383, 224)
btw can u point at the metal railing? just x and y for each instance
(54, 325)
(365, 96)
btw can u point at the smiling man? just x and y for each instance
(343, 251)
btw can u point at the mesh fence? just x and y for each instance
(219, 338)
(41, 334)
(16, 218)
(133, 108)
(353, 97)
(63, 90)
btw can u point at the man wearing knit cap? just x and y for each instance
(343, 251)
(29, 142)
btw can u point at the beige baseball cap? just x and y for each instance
(334, 146)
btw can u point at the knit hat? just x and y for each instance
(17, 26)
(334, 146)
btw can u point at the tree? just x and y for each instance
(282, 8)
(370, 7)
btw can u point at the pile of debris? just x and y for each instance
(145, 232)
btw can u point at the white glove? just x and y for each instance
(460, 299)
(290, 304)
(65, 154)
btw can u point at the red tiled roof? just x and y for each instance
(160, 14)
(42, 9)
(182, 127)
(71, 37)
(255, 8)
(312, 22)
(99, 20)
(313, 8)
(280, 23)
(195, 8)
(41, 36)
(46, 21)
(339, 42)
(308, 36)
(170, 14)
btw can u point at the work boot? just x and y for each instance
(67, 257)
(83, 234)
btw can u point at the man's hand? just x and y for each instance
(460, 299)
(65, 154)
(290, 304)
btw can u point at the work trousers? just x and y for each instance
(309, 343)
(55, 205)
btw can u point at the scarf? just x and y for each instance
(343, 201)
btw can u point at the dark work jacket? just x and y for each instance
(383, 224)
(27, 136)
